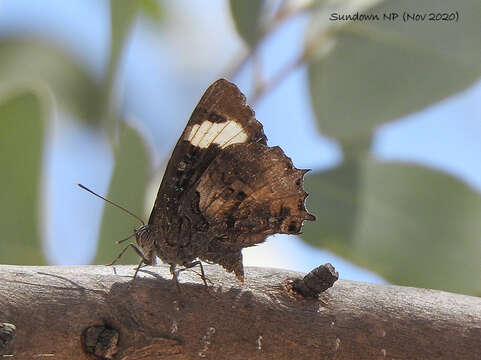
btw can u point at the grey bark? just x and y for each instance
(65, 312)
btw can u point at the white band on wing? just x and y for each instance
(223, 134)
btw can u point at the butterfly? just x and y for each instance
(223, 190)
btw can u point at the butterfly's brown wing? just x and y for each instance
(248, 192)
(224, 189)
(221, 119)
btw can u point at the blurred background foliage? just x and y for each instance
(411, 223)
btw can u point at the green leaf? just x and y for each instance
(122, 15)
(21, 149)
(247, 16)
(127, 188)
(333, 196)
(33, 64)
(152, 9)
(412, 225)
(373, 72)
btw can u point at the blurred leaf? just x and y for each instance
(247, 16)
(153, 9)
(333, 196)
(34, 64)
(355, 148)
(122, 16)
(21, 149)
(414, 226)
(127, 188)
(377, 71)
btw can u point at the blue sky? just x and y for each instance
(160, 80)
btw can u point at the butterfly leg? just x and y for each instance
(188, 265)
(138, 251)
(175, 274)
(138, 268)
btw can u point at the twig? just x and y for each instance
(57, 308)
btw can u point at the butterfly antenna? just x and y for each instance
(112, 203)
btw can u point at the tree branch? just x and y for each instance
(62, 312)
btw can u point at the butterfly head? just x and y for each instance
(144, 237)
